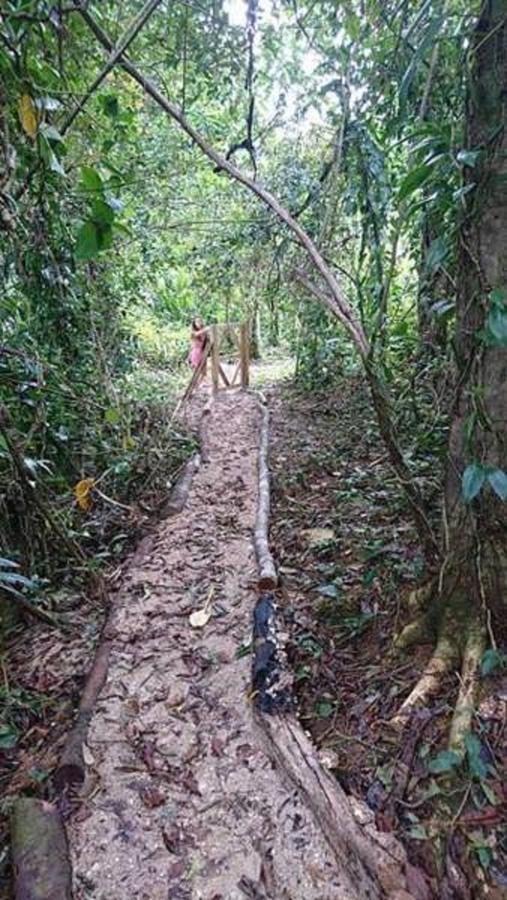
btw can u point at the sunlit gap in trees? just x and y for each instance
(283, 93)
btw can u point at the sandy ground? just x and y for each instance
(181, 800)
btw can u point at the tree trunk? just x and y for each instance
(472, 587)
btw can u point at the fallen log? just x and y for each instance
(181, 488)
(372, 864)
(71, 771)
(42, 869)
(267, 578)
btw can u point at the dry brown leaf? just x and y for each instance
(152, 797)
(315, 536)
(28, 115)
(201, 617)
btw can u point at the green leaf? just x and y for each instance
(492, 659)
(478, 768)
(105, 237)
(55, 164)
(468, 157)
(414, 180)
(102, 212)
(18, 580)
(445, 761)
(437, 252)
(489, 793)
(51, 133)
(324, 709)
(91, 180)
(485, 856)
(8, 737)
(473, 480)
(353, 26)
(498, 481)
(112, 416)
(88, 241)
(244, 649)
(497, 325)
(418, 833)
(111, 105)
(498, 298)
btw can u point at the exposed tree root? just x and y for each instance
(445, 656)
(419, 599)
(460, 640)
(415, 632)
(469, 685)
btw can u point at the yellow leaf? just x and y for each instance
(28, 115)
(82, 492)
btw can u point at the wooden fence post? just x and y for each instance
(215, 360)
(244, 351)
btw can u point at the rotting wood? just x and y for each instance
(267, 578)
(42, 869)
(373, 861)
(181, 488)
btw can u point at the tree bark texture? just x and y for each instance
(39, 852)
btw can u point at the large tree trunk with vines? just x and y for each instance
(467, 603)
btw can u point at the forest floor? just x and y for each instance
(348, 557)
(171, 740)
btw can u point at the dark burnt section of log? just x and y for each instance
(271, 684)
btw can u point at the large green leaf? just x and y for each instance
(91, 180)
(414, 180)
(498, 481)
(492, 660)
(102, 212)
(88, 241)
(474, 477)
(478, 768)
(497, 325)
(437, 252)
(468, 157)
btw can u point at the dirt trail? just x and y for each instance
(182, 801)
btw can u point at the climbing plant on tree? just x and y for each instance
(462, 604)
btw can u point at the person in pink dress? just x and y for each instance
(198, 341)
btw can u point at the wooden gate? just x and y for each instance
(239, 334)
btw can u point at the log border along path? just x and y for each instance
(199, 782)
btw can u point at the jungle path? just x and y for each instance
(183, 798)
